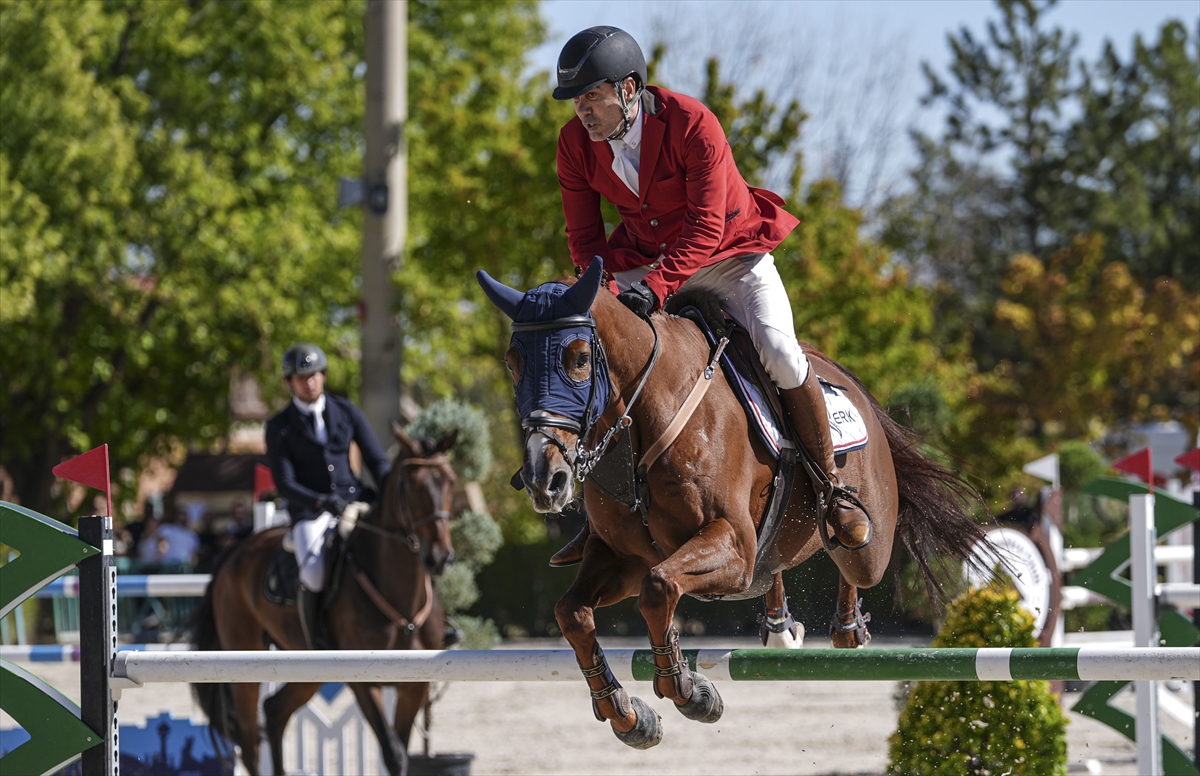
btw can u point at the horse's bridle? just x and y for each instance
(537, 421)
(440, 460)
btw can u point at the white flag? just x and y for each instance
(1044, 468)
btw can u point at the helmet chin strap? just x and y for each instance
(625, 110)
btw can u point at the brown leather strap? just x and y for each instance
(401, 623)
(686, 410)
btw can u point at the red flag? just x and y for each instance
(1139, 464)
(263, 481)
(1190, 460)
(90, 469)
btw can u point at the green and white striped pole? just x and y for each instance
(133, 669)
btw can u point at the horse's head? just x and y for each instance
(559, 375)
(418, 497)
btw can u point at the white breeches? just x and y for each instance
(751, 292)
(308, 536)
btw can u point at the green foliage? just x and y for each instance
(168, 220)
(1079, 464)
(1053, 220)
(922, 407)
(476, 538)
(981, 728)
(472, 453)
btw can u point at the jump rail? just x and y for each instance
(136, 668)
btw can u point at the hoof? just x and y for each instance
(792, 638)
(705, 705)
(648, 730)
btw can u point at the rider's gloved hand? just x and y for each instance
(640, 299)
(333, 504)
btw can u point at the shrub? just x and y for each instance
(981, 728)
(472, 455)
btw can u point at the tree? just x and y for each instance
(1132, 158)
(168, 219)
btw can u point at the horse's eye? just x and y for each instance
(583, 360)
(508, 365)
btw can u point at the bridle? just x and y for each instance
(410, 537)
(537, 421)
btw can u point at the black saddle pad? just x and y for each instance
(282, 578)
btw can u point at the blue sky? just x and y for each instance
(854, 64)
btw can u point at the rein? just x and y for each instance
(403, 625)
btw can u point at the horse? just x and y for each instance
(590, 377)
(380, 597)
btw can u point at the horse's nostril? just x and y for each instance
(558, 482)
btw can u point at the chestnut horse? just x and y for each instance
(584, 368)
(398, 547)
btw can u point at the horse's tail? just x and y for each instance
(215, 699)
(935, 521)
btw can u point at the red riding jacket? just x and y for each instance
(694, 207)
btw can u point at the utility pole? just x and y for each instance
(385, 219)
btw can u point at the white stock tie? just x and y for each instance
(624, 167)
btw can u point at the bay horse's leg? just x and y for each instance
(849, 627)
(712, 561)
(245, 707)
(410, 697)
(603, 580)
(776, 627)
(278, 709)
(370, 700)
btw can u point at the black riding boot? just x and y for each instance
(309, 604)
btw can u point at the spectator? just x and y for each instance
(182, 545)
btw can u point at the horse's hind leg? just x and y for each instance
(776, 627)
(603, 580)
(395, 756)
(278, 709)
(849, 627)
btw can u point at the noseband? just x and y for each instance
(410, 537)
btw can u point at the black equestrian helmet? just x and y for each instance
(303, 359)
(595, 56)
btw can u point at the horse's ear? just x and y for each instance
(507, 299)
(408, 447)
(579, 297)
(447, 442)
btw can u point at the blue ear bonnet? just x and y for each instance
(565, 311)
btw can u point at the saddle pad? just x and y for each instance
(846, 426)
(282, 578)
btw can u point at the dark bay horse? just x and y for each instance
(694, 532)
(397, 547)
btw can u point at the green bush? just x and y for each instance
(472, 455)
(476, 537)
(1079, 464)
(981, 728)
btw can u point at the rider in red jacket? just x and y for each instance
(688, 218)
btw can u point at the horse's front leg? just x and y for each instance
(849, 627)
(278, 709)
(776, 626)
(370, 701)
(603, 580)
(711, 562)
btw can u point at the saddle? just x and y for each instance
(283, 575)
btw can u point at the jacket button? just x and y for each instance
(645, 206)
(330, 467)
(662, 246)
(351, 488)
(653, 222)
